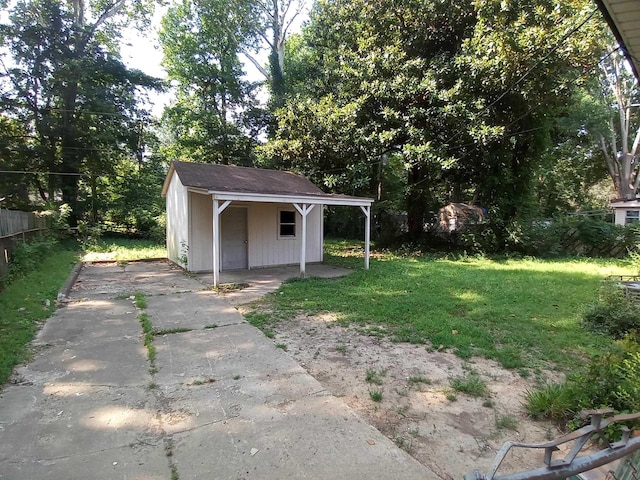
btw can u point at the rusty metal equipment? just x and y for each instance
(571, 464)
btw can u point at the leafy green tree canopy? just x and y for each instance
(465, 93)
(65, 83)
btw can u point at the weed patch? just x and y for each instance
(147, 330)
(471, 384)
(506, 422)
(418, 380)
(376, 395)
(610, 381)
(374, 377)
(199, 382)
(169, 331)
(140, 301)
(26, 302)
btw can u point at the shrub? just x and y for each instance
(26, 256)
(479, 238)
(614, 314)
(572, 236)
(158, 231)
(610, 381)
(59, 215)
(89, 235)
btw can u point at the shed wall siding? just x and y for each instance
(177, 218)
(201, 234)
(620, 214)
(266, 249)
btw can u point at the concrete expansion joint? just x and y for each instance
(162, 410)
(241, 322)
(208, 424)
(79, 454)
(168, 294)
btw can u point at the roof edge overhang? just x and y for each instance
(309, 199)
(604, 9)
(167, 180)
(625, 204)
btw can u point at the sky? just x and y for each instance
(143, 51)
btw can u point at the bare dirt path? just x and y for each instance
(449, 432)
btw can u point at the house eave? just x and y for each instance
(635, 203)
(623, 18)
(167, 180)
(281, 198)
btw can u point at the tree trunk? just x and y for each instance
(70, 155)
(276, 59)
(94, 196)
(416, 202)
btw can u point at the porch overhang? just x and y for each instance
(304, 204)
(339, 200)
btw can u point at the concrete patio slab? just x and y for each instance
(314, 437)
(58, 430)
(77, 322)
(221, 353)
(258, 282)
(120, 361)
(112, 280)
(180, 311)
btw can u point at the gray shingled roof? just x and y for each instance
(228, 178)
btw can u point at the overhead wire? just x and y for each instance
(531, 69)
(27, 172)
(558, 44)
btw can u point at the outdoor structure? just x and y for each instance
(626, 211)
(456, 216)
(223, 217)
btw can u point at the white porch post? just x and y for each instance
(303, 210)
(217, 210)
(367, 234)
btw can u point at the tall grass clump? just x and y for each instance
(26, 301)
(610, 380)
(615, 313)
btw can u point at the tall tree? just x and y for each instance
(272, 26)
(463, 92)
(68, 84)
(202, 40)
(620, 139)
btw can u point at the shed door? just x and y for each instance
(233, 231)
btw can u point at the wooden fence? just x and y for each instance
(17, 226)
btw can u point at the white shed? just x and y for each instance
(626, 211)
(223, 217)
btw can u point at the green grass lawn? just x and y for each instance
(123, 249)
(23, 302)
(524, 313)
(23, 306)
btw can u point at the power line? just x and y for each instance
(530, 69)
(26, 172)
(94, 112)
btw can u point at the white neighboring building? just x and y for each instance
(626, 211)
(258, 218)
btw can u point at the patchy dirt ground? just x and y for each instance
(449, 432)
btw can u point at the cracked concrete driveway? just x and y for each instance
(217, 401)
